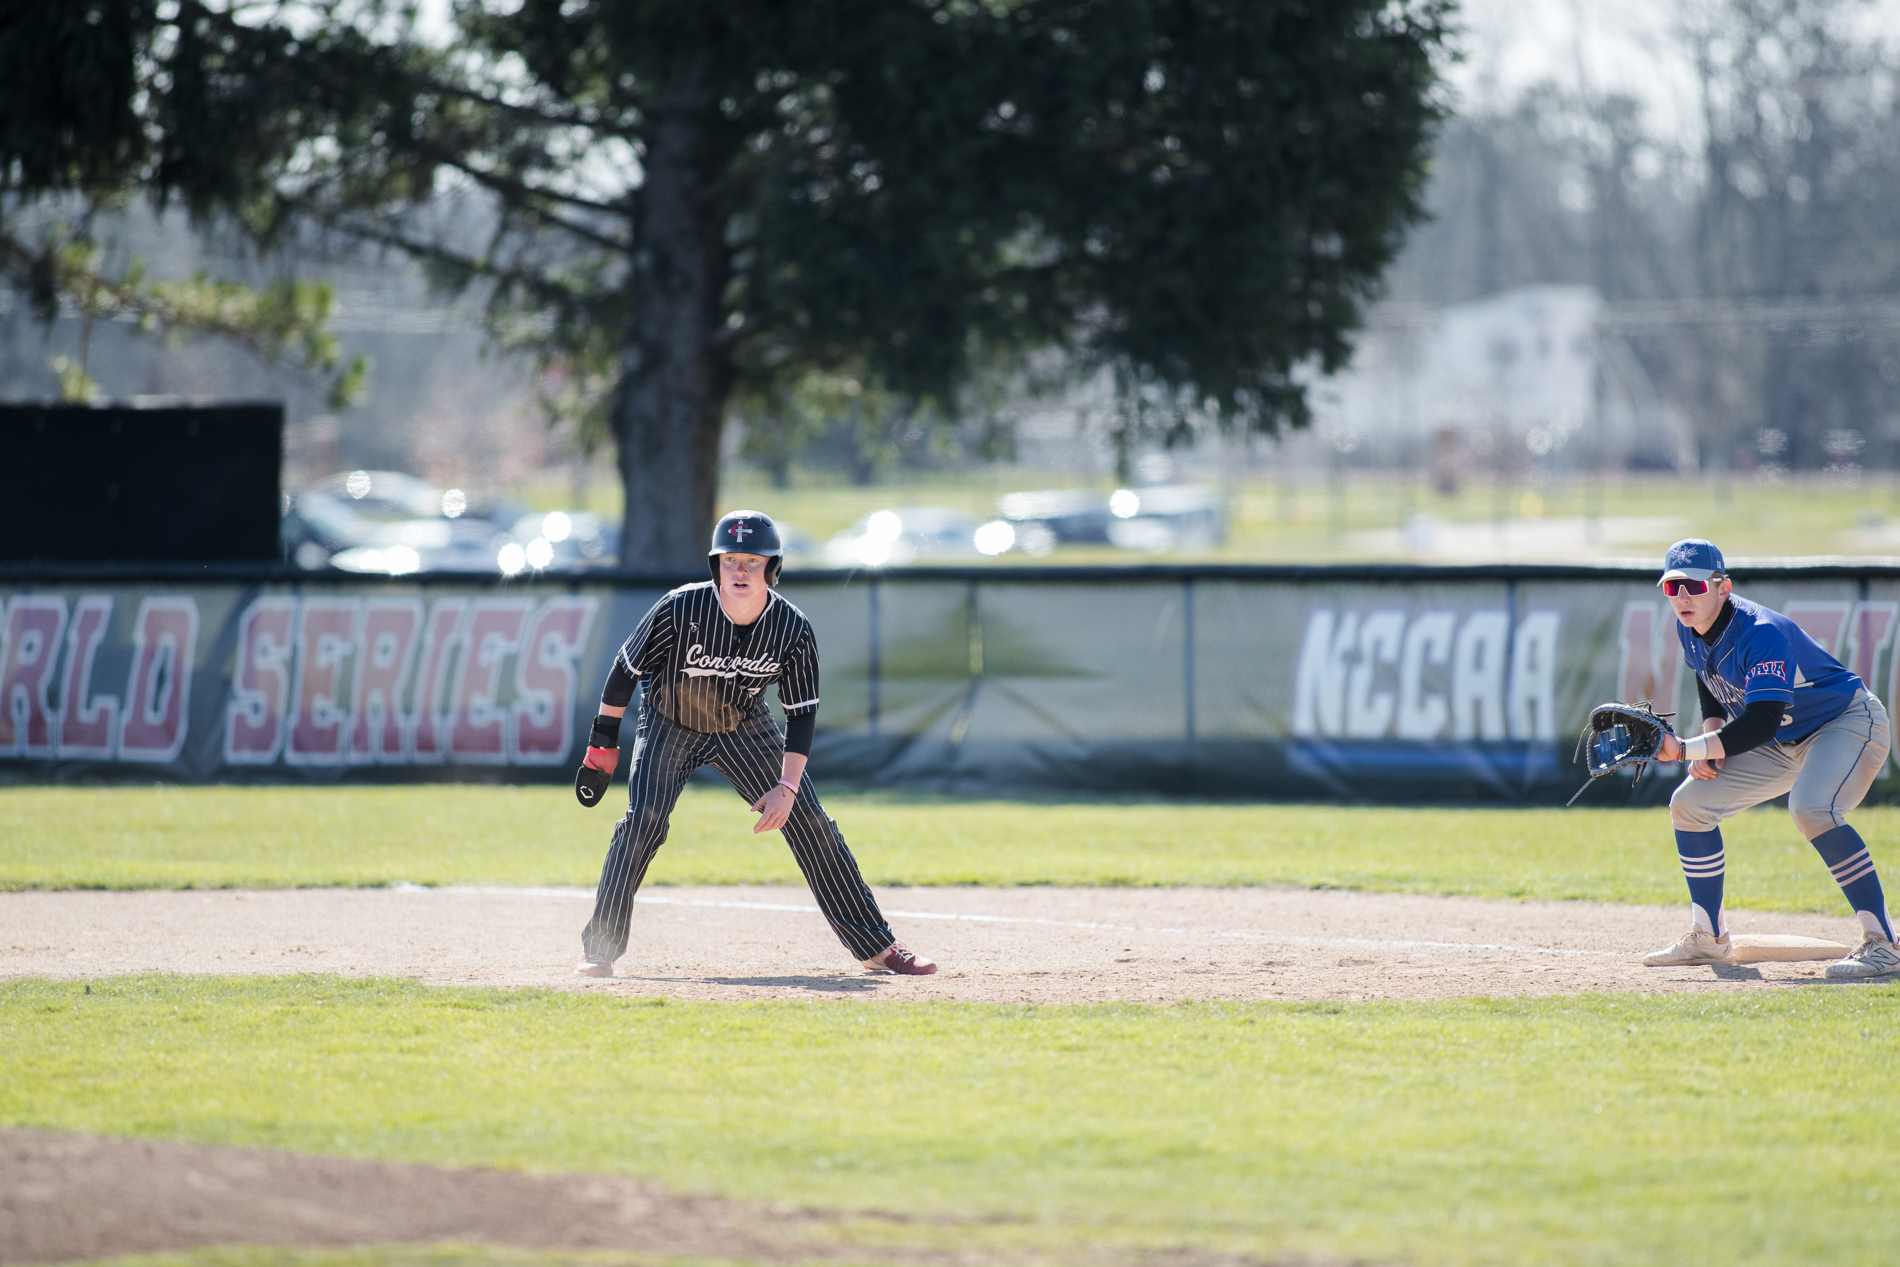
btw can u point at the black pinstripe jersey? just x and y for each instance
(708, 674)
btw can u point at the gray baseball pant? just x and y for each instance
(665, 754)
(1824, 775)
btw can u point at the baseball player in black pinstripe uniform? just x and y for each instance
(707, 653)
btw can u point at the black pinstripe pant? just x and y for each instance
(665, 755)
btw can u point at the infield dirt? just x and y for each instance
(167, 1196)
(78, 1198)
(1021, 945)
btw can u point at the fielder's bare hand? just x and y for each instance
(1706, 770)
(774, 808)
(776, 805)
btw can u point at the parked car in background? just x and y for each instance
(1047, 518)
(394, 523)
(905, 534)
(1165, 517)
(560, 541)
(345, 511)
(1155, 518)
(426, 545)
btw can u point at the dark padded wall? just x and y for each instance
(117, 484)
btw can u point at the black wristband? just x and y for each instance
(606, 732)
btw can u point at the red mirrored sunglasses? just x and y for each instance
(1682, 585)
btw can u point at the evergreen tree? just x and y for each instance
(686, 199)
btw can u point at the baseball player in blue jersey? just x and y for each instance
(706, 654)
(1779, 715)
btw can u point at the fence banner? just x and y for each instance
(1336, 683)
(214, 682)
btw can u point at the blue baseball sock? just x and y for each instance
(1703, 864)
(1846, 856)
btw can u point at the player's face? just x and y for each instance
(1698, 611)
(742, 575)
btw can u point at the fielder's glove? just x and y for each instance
(602, 759)
(1619, 735)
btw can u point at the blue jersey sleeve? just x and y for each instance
(1768, 671)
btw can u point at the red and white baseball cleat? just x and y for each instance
(592, 967)
(896, 959)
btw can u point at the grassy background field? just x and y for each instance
(273, 837)
(446, 1255)
(1586, 1130)
(1312, 518)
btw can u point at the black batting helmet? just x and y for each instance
(747, 532)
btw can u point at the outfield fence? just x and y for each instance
(1332, 683)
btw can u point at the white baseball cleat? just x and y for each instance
(1875, 958)
(592, 967)
(1696, 946)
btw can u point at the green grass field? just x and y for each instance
(1618, 1129)
(1595, 1129)
(450, 1255)
(1309, 519)
(273, 837)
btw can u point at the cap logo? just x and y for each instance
(740, 532)
(1693, 555)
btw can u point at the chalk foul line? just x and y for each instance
(1282, 939)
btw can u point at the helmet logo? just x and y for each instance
(740, 531)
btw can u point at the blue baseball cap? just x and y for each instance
(1692, 559)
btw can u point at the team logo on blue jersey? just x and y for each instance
(1769, 668)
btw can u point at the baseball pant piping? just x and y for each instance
(1835, 749)
(1824, 775)
(751, 757)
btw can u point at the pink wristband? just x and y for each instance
(794, 788)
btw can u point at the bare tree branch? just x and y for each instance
(537, 284)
